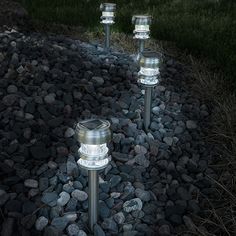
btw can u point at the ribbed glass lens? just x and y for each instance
(148, 80)
(149, 71)
(93, 150)
(93, 164)
(142, 28)
(108, 14)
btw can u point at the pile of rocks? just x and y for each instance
(152, 184)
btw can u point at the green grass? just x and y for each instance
(204, 27)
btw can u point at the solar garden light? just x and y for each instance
(142, 30)
(93, 136)
(107, 18)
(148, 76)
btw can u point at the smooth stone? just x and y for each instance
(81, 233)
(73, 230)
(31, 183)
(98, 80)
(79, 195)
(41, 223)
(63, 199)
(69, 133)
(50, 98)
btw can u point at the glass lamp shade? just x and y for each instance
(93, 136)
(142, 26)
(108, 13)
(93, 152)
(93, 165)
(149, 73)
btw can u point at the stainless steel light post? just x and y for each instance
(107, 18)
(148, 76)
(142, 30)
(93, 136)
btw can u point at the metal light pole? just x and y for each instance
(141, 31)
(107, 18)
(93, 136)
(148, 76)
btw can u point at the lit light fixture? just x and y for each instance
(142, 30)
(107, 18)
(93, 136)
(149, 68)
(149, 76)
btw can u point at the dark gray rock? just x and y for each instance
(50, 198)
(51, 231)
(98, 231)
(115, 180)
(60, 223)
(41, 223)
(133, 205)
(79, 195)
(110, 225)
(8, 227)
(104, 211)
(164, 230)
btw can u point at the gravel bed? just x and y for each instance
(154, 180)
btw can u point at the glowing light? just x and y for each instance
(93, 136)
(108, 13)
(93, 151)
